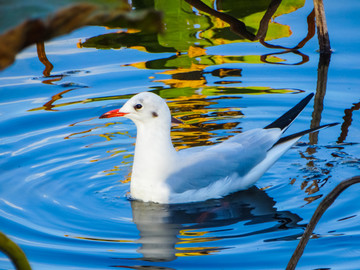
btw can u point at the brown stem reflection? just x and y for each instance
(304, 58)
(310, 34)
(311, 30)
(347, 122)
(40, 46)
(323, 68)
(48, 106)
(239, 28)
(53, 79)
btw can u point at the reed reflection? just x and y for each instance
(40, 46)
(169, 231)
(323, 68)
(348, 113)
(240, 28)
(196, 30)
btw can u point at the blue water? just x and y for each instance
(63, 188)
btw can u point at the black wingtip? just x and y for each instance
(302, 133)
(287, 118)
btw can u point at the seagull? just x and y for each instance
(163, 175)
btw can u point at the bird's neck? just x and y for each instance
(154, 157)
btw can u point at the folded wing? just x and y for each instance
(249, 153)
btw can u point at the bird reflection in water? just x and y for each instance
(165, 228)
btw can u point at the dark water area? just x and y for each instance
(64, 173)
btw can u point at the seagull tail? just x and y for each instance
(302, 133)
(284, 121)
(282, 145)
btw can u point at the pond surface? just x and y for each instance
(65, 173)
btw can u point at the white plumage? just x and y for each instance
(163, 175)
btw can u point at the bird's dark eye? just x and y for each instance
(138, 106)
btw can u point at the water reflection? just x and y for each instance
(200, 31)
(348, 113)
(40, 46)
(207, 88)
(186, 27)
(194, 84)
(170, 231)
(322, 75)
(189, 32)
(241, 29)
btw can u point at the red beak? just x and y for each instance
(113, 113)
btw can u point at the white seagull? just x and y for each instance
(163, 175)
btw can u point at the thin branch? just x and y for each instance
(320, 210)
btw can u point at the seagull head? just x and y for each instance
(143, 108)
